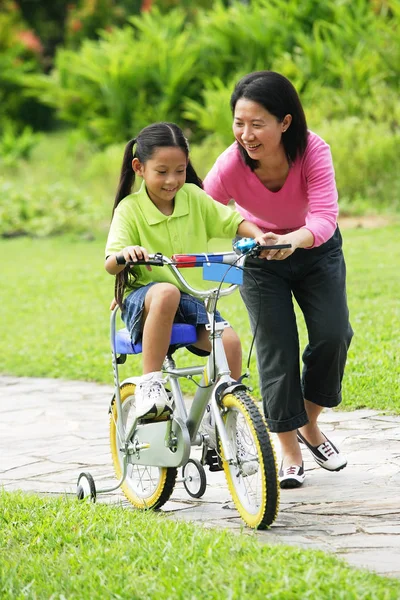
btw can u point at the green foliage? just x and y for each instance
(342, 51)
(114, 87)
(367, 162)
(75, 345)
(212, 115)
(60, 548)
(180, 65)
(43, 210)
(15, 143)
(12, 70)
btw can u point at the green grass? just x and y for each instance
(55, 296)
(61, 549)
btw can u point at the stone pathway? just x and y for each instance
(51, 430)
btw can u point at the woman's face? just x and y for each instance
(259, 132)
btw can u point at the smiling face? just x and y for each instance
(258, 131)
(164, 174)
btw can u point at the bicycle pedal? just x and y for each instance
(213, 460)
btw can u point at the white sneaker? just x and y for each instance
(326, 455)
(208, 428)
(152, 400)
(291, 477)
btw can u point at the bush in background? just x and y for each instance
(343, 57)
(44, 210)
(16, 143)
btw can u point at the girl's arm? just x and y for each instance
(130, 253)
(249, 229)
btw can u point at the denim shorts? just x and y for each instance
(190, 311)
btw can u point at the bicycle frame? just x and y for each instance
(147, 453)
(215, 377)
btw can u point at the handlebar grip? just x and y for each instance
(157, 261)
(250, 246)
(273, 247)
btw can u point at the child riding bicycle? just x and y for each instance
(170, 214)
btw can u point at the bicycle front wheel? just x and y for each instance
(252, 477)
(145, 486)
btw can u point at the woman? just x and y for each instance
(282, 179)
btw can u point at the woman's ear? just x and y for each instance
(287, 119)
(137, 167)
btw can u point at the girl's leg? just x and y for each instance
(232, 346)
(160, 306)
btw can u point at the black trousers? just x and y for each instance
(316, 278)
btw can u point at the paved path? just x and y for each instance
(50, 430)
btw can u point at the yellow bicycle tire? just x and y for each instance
(264, 512)
(165, 476)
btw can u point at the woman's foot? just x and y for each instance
(326, 455)
(291, 477)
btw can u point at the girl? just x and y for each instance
(170, 214)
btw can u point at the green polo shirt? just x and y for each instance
(196, 219)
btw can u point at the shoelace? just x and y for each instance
(291, 470)
(153, 388)
(327, 449)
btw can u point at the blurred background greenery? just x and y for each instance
(79, 79)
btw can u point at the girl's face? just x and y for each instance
(259, 132)
(164, 174)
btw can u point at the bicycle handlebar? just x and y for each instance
(246, 246)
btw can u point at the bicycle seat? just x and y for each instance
(181, 335)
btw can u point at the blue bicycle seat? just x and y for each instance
(182, 335)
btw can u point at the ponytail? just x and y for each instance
(127, 177)
(191, 175)
(126, 181)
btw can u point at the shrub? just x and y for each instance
(43, 210)
(114, 87)
(15, 143)
(367, 162)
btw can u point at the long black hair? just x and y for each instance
(152, 137)
(277, 95)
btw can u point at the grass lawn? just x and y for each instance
(55, 295)
(61, 549)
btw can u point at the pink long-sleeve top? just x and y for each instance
(308, 197)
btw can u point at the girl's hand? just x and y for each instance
(113, 304)
(135, 253)
(268, 239)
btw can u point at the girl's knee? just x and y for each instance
(163, 296)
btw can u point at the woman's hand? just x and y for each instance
(302, 238)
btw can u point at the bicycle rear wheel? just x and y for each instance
(253, 477)
(145, 486)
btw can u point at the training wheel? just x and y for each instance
(85, 488)
(194, 478)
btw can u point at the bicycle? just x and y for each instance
(147, 454)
